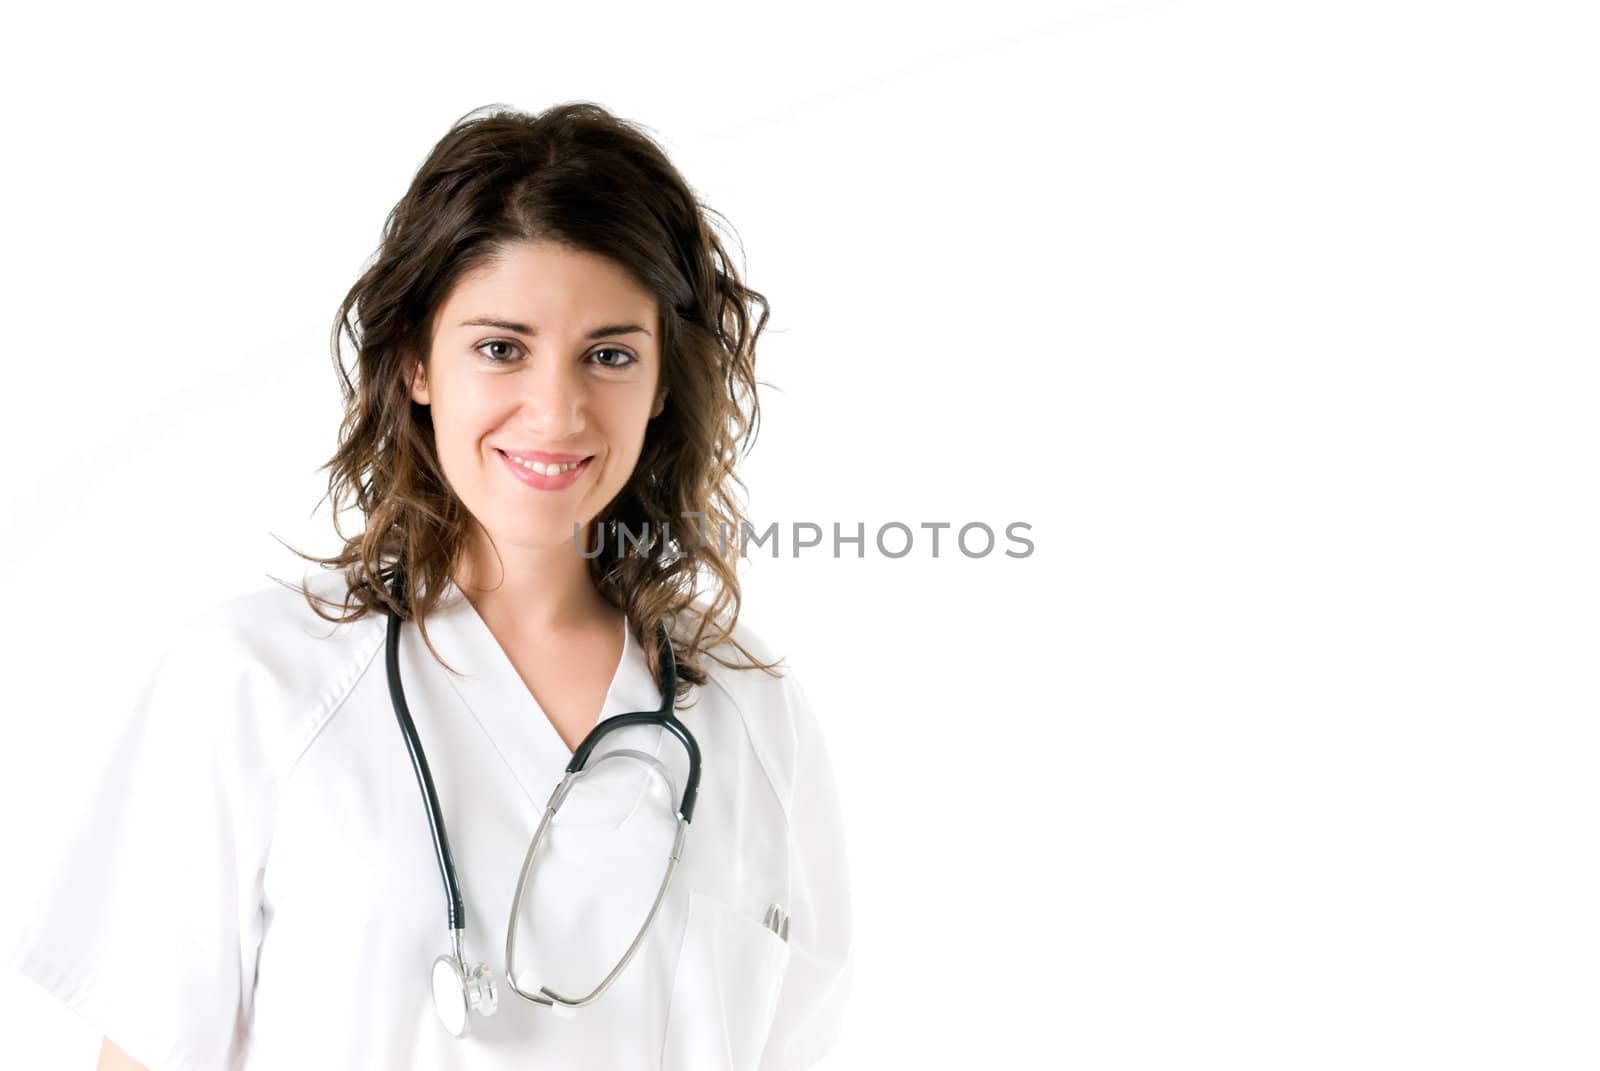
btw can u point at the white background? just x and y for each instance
(1277, 323)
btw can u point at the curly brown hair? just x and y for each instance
(577, 175)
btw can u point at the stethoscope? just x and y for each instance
(458, 989)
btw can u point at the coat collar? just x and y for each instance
(494, 694)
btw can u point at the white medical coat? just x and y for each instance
(252, 883)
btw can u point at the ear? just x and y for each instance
(418, 383)
(661, 403)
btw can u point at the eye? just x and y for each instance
(631, 359)
(495, 342)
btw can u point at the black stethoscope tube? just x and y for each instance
(419, 761)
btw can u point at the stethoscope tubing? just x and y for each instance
(419, 761)
(663, 716)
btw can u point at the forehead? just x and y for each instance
(551, 285)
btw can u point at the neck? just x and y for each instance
(530, 590)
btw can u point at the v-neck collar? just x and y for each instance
(494, 693)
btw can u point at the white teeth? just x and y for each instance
(546, 470)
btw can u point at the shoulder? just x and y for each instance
(274, 625)
(268, 667)
(774, 709)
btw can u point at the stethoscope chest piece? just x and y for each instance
(455, 994)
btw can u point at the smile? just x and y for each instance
(543, 477)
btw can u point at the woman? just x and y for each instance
(555, 361)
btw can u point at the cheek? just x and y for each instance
(628, 416)
(464, 418)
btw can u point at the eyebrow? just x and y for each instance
(523, 329)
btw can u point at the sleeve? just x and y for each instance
(816, 987)
(148, 922)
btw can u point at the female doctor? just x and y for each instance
(274, 873)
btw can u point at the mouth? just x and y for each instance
(545, 477)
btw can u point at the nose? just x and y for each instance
(554, 400)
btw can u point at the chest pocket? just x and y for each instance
(725, 990)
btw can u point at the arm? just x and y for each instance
(114, 1059)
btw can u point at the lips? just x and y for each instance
(553, 482)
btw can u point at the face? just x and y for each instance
(549, 355)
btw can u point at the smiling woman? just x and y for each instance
(549, 343)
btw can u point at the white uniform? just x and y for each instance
(253, 883)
